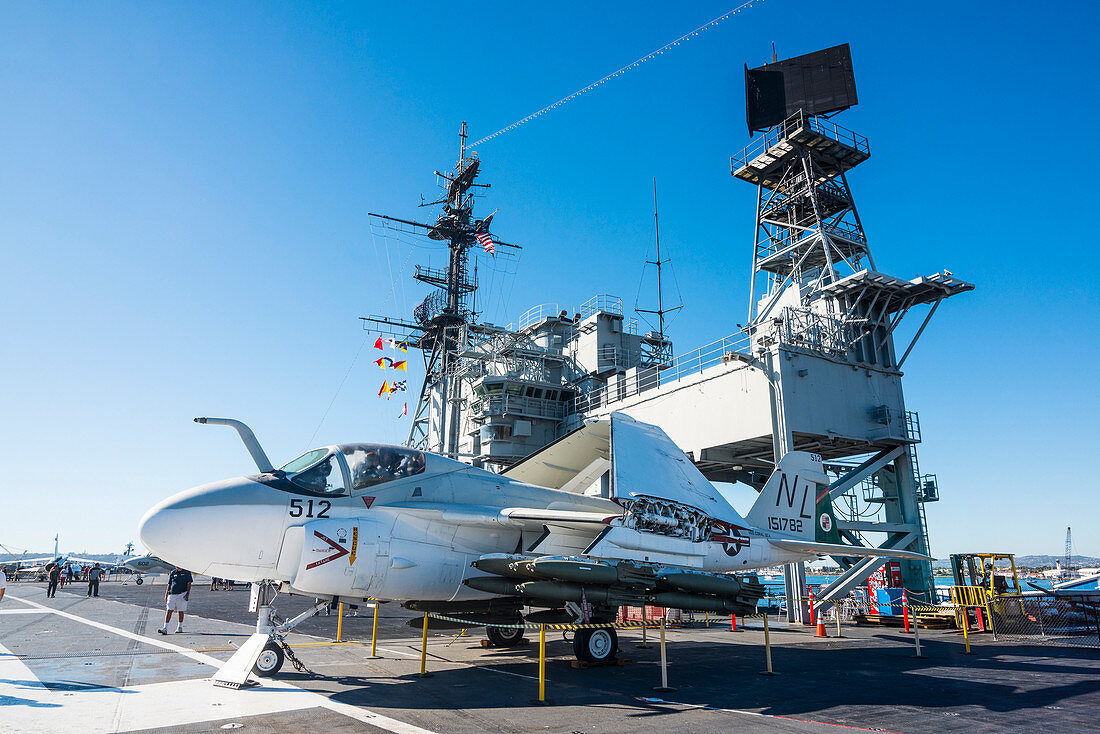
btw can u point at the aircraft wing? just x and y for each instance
(32, 561)
(556, 516)
(834, 549)
(567, 462)
(648, 464)
(518, 516)
(83, 561)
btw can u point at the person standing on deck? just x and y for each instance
(53, 577)
(94, 573)
(175, 598)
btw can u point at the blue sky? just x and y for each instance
(184, 193)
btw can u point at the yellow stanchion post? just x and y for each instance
(836, 611)
(767, 650)
(542, 663)
(424, 649)
(664, 662)
(966, 633)
(340, 622)
(374, 633)
(645, 624)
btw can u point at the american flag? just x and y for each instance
(486, 241)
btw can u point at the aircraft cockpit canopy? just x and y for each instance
(320, 471)
(372, 464)
(316, 471)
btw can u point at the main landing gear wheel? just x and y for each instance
(595, 646)
(270, 660)
(504, 636)
(138, 581)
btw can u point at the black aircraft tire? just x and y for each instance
(595, 645)
(270, 661)
(504, 636)
(138, 581)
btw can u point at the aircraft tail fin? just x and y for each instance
(795, 500)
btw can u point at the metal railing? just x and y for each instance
(846, 230)
(798, 121)
(809, 329)
(518, 405)
(542, 311)
(602, 303)
(691, 363)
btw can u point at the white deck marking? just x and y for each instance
(163, 644)
(397, 652)
(173, 703)
(35, 708)
(22, 611)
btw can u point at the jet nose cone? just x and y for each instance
(201, 528)
(156, 529)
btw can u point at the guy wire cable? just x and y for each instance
(619, 72)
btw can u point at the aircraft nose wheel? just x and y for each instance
(270, 660)
(138, 581)
(595, 646)
(504, 636)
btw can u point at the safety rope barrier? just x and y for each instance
(535, 625)
(655, 624)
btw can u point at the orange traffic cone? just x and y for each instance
(820, 629)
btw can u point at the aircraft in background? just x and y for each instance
(613, 514)
(36, 567)
(146, 564)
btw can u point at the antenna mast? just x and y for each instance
(659, 347)
(1068, 560)
(445, 319)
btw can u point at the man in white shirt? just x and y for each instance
(3, 583)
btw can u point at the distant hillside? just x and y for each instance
(110, 557)
(1038, 561)
(1035, 561)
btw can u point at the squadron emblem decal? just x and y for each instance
(826, 522)
(338, 551)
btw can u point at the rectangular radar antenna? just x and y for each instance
(817, 83)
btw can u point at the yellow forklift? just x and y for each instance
(993, 594)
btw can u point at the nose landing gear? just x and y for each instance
(264, 652)
(270, 660)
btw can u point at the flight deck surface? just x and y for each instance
(98, 665)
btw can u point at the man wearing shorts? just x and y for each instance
(175, 598)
